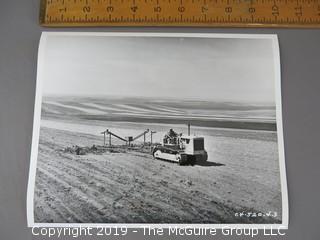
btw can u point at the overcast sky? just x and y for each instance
(213, 69)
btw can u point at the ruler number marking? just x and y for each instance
(86, 9)
(157, 9)
(252, 10)
(110, 9)
(204, 9)
(62, 10)
(228, 10)
(298, 11)
(134, 9)
(181, 9)
(275, 10)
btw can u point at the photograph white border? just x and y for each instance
(37, 118)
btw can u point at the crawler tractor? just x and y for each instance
(183, 149)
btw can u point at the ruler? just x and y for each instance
(220, 13)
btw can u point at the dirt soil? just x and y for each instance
(129, 186)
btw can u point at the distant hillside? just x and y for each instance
(199, 113)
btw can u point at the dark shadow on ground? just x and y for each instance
(209, 164)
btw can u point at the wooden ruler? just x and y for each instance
(226, 13)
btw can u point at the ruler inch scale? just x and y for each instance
(202, 13)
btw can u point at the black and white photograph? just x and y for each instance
(157, 128)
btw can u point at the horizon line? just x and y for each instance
(158, 98)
